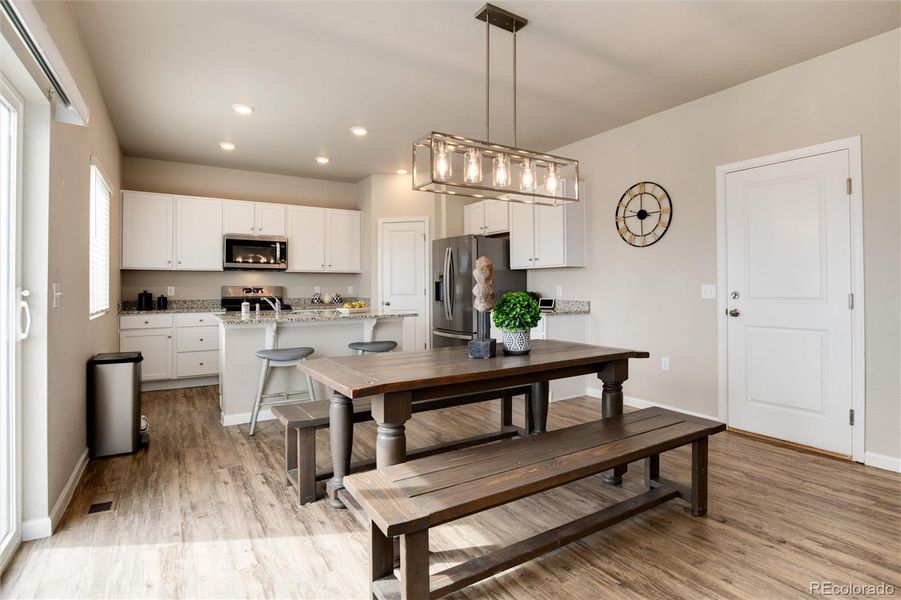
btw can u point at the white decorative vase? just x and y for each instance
(516, 342)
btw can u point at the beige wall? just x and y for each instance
(148, 175)
(72, 337)
(649, 298)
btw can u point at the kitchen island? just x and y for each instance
(327, 331)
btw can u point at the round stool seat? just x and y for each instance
(386, 346)
(284, 354)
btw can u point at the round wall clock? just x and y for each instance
(644, 214)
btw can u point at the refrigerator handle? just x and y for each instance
(453, 281)
(447, 289)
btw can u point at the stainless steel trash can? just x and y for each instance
(114, 403)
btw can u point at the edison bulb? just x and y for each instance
(551, 183)
(473, 170)
(527, 176)
(442, 161)
(501, 170)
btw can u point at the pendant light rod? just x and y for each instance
(514, 84)
(487, 80)
(508, 21)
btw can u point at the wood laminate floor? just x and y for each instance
(204, 512)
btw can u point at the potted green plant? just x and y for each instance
(515, 315)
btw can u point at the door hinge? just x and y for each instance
(851, 301)
(851, 417)
(849, 185)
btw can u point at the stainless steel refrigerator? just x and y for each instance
(454, 320)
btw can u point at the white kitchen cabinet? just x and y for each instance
(155, 345)
(547, 236)
(147, 230)
(486, 217)
(238, 217)
(306, 238)
(269, 219)
(342, 241)
(198, 234)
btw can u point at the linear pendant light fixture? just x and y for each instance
(462, 166)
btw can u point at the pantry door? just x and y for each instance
(402, 274)
(789, 304)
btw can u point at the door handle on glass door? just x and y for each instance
(734, 312)
(24, 308)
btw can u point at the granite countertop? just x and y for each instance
(570, 307)
(267, 317)
(169, 311)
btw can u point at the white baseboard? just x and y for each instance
(42, 527)
(242, 418)
(882, 461)
(639, 403)
(174, 384)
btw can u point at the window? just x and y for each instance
(99, 242)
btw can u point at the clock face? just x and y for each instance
(643, 214)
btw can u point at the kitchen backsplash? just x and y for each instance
(213, 305)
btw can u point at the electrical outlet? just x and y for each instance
(708, 291)
(170, 291)
(559, 291)
(350, 290)
(664, 363)
(317, 289)
(57, 295)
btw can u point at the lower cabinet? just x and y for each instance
(186, 346)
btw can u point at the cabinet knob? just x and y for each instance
(168, 262)
(201, 320)
(179, 262)
(169, 337)
(323, 266)
(201, 364)
(531, 259)
(146, 322)
(330, 266)
(201, 339)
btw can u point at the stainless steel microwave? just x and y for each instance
(255, 252)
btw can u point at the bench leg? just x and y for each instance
(306, 465)
(506, 411)
(291, 453)
(699, 477)
(414, 565)
(527, 412)
(651, 470)
(381, 556)
(341, 435)
(540, 397)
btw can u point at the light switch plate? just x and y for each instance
(57, 295)
(559, 292)
(708, 291)
(350, 290)
(664, 363)
(170, 291)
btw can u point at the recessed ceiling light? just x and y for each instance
(242, 109)
(322, 160)
(227, 145)
(358, 131)
(402, 171)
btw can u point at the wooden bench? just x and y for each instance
(405, 500)
(302, 420)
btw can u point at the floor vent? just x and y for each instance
(98, 507)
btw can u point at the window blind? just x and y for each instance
(99, 243)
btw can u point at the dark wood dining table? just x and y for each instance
(393, 381)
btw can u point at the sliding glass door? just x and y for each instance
(15, 319)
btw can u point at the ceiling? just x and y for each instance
(170, 71)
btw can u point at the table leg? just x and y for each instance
(613, 375)
(391, 411)
(541, 391)
(341, 436)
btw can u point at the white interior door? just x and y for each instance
(15, 320)
(402, 272)
(788, 245)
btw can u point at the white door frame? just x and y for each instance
(858, 358)
(426, 265)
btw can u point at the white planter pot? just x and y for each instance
(516, 342)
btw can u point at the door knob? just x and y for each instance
(734, 312)
(386, 303)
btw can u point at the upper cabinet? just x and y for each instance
(161, 231)
(486, 217)
(147, 230)
(198, 234)
(324, 240)
(253, 218)
(238, 216)
(547, 236)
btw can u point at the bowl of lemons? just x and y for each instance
(357, 306)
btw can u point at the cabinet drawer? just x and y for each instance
(195, 364)
(195, 320)
(154, 321)
(192, 339)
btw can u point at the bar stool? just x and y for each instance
(364, 347)
(279, 357)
